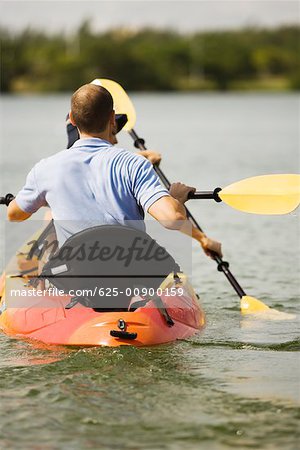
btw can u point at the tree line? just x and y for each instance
(148, 59)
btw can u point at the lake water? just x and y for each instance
(236, 384)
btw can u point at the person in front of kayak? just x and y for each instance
(95, 183)
(121, 119)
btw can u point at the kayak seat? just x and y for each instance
(104, 267)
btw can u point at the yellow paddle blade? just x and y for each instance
(266, 194)
(122, 103)
(250, 305)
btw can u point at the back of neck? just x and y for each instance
(105, 136)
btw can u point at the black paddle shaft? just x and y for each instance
(209, 195)
(223, 266)
(7, 199)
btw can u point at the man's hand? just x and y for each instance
(181, 191)
(210, 247)
(152, 156)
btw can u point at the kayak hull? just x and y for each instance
(47, 320)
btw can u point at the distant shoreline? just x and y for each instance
(151, 60)
(251, 86)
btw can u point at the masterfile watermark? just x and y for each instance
(97, 291)
(139, 250)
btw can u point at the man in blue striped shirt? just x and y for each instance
(95, 183)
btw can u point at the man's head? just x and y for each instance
(92, 109)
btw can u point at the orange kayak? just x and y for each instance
(84, 326)
(45, 318)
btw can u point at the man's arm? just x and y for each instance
(170, 212)
(15, 213)
(166, 207)
(151, 155)
(28, 200)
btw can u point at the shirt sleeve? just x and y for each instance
(146, 186)
(29, 199)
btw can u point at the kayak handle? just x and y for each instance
(123, 335)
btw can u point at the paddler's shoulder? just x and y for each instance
(52, 161)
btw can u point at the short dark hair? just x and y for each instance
(91, 107)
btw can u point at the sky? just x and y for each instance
(181, 15)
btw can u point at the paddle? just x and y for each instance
(265, 194)
(124, 105)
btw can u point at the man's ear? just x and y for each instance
(113, 118)
(72, 119)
